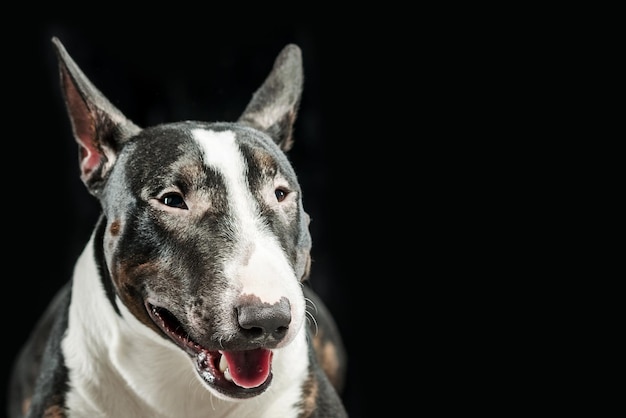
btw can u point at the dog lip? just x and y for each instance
(168, 323)
(207, 365)
(207, 361)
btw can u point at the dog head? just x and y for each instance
(203, 238)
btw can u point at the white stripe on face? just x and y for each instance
(258, 262)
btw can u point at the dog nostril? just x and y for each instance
(265, 320)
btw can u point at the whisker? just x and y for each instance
(312, 318)
(307, 300)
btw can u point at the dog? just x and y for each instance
(192, 297)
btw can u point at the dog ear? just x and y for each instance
(303, 254)
(99, 127)
(274, 105)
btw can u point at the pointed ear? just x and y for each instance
(274, 105)
(98, 127)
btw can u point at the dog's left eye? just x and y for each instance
(280, 194)
(174, 200)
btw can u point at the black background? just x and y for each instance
(170, 72)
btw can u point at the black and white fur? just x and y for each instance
(190, 298)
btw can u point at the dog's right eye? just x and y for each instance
(174, 200)
(280, 194)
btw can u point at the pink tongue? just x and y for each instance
(250, 368)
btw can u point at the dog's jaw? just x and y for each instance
(233, 374)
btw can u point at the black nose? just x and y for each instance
(264, 321)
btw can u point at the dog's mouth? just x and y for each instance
(236, 374)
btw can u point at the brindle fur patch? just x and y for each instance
(115, 228)
(309, 397)
(126, 280)
(54, 411)
(327, 357)
(26, 405)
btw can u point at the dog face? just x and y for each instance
(204, 239)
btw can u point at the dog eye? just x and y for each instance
(280, 194)
(174, 200)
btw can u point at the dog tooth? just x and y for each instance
(223, 364)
